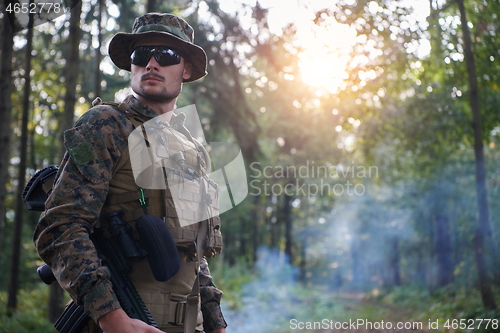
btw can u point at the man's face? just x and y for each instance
(160, 84)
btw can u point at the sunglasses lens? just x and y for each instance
(165, 56)
(140, 56)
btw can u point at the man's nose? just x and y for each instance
(152, 64)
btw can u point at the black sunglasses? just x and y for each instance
(164, 55)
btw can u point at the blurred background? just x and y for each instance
(368, 130)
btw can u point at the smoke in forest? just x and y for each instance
(362, 246)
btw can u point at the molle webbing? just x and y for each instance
(181, 234)
(124, 193)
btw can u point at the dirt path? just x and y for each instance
(368, 316)
(396, 322)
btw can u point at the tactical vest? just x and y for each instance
(168, 301)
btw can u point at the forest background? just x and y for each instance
(369, 133)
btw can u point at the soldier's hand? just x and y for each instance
(117, 321)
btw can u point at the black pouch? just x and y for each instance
(158, 242)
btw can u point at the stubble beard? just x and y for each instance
(165, 95)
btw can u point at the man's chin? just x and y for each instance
(158, 97)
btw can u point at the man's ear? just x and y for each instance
(188, 70)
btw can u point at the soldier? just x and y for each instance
(95, 177)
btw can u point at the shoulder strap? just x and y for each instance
(123, 107)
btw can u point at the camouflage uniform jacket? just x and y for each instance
(62, 240)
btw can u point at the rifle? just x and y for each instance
(111, 252)
(115, 253)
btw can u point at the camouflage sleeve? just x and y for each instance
(61, 237)
(210, 300)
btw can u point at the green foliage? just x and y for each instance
(451, 302)
(31, 315)
(268, 297)
(30, 260)
(231, 279)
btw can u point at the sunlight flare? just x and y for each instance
(326, 54)
(324, 69)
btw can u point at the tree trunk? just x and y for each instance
(483, 228)
(357, 279)
(23, 147)
(287, 216)
(229, 256)
(243, 236)
(303, 238)
(421, 271)
(71, 72)
(444, 251)
(7, 44)
(395, 259)
(273, 220)
(255, 226)
(303, 260)
(151, 6)
(55, 302)
(97, 73)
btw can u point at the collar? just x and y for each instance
(176, 121)
(139, 108)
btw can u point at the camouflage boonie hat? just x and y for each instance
(177, 33)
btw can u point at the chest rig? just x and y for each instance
(173, 184)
